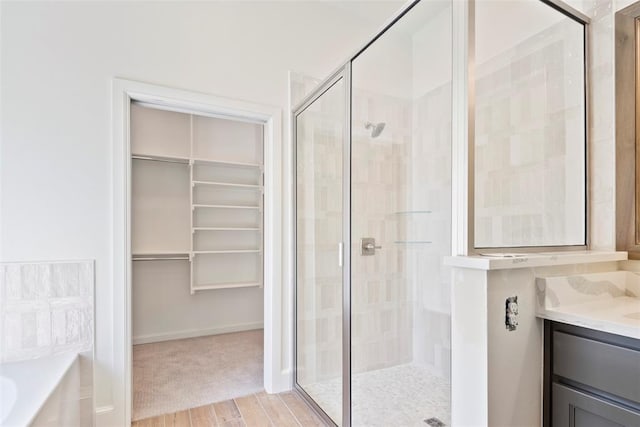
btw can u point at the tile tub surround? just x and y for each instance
(47, 318)
(608, 302)
(46, 308)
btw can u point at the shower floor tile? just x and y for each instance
(403, 395)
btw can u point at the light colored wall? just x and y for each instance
(58, 60)
(602, 151)
(469, 371)
(164, 308)
(529, 133)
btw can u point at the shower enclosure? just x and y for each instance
(373, 222)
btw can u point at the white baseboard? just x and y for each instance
(192, 333)
(285, 382)
(104, 416)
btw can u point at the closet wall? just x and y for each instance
(196, 230)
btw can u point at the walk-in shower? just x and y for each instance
(374, 149)
(373, 222)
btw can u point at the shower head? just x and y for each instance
(376, 128)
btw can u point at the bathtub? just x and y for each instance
(41, 392)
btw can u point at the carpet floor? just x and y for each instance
(172, 376)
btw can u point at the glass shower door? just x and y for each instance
(319, 134)
(401, 222)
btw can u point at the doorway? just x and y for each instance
(197, 258)
(275, 377)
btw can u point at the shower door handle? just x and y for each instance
(368, 246)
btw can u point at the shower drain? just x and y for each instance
(434, 422)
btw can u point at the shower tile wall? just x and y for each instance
(525, 125)
(430, 221)
(602, 153)
(382, 294)
(45, 309)
(401, 301)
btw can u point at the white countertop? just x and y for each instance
(33, 381)
(509, 261)
(620, 316)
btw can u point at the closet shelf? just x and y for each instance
(226, 229)
(228, 251)
(226, 285)
(226, 163)
(158, 158)
(160, 253)
(228, 184)
(225, 206)
(160, 256)
(197, 161)
(411, 212)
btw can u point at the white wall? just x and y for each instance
(57, 62)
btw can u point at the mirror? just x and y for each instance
(627, 57)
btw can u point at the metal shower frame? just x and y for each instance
(463, 112)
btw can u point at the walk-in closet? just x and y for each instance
(197, 258)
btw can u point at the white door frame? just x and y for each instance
(276, 376)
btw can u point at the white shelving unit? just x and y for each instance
(225, 206)
(198, 196)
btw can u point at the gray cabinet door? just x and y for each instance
(572, 408)
(610, 368)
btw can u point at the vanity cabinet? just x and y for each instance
(592, 378)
